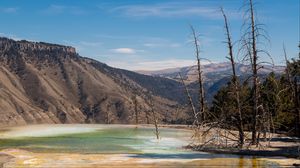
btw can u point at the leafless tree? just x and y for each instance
(147, 116)
(196, 120)
(135, 104)
(108, 114)
(250, 41)
(202, 114)
(155, 118)
(234, 81)
(255, 75)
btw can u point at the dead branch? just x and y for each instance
(200, 79)
(196, 120)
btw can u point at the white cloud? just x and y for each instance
(124, 50)
(171, 10)
(155, 45)
(152, 65)
(176, 9)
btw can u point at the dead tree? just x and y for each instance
(108, 114)
(202, 114)
(155, 123)
(147, 116)
(196, 120)
(135, 103)
(234, 81)
(297, 104)
(255, 75)
(155, 119)
(253, 32)
(150, 102)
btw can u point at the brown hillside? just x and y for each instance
(47, 83)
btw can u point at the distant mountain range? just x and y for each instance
(215, 75)
(212, 71)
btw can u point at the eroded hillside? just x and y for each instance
(47, 83)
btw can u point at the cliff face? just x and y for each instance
(47, 83)
(25, 46)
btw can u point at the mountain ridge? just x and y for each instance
(223, 69)
(215, 76)
(49, 83)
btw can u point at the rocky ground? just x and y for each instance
(22, 158)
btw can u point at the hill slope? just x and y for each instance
(49, 83)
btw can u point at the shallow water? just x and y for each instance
(135, 145)
(94, 139)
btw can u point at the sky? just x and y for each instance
(149, 35)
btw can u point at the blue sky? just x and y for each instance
(144, 34)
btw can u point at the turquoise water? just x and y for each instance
(102, 140)
(138, 142)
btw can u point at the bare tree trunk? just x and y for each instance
(156, 127)
(255, 77)
(147, 117)
(155, 120)
(200, 79)
(235, 83)
(196, 120)
(136, 110)
(297, 105)
(94, 116)
(108, 114)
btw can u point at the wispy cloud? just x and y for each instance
(124, 51)
(146, 41)
(90, 44)
(151, 65)
(9, 10)
(155, 45)
(60, 9)
(169, 10)
(158, 42)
